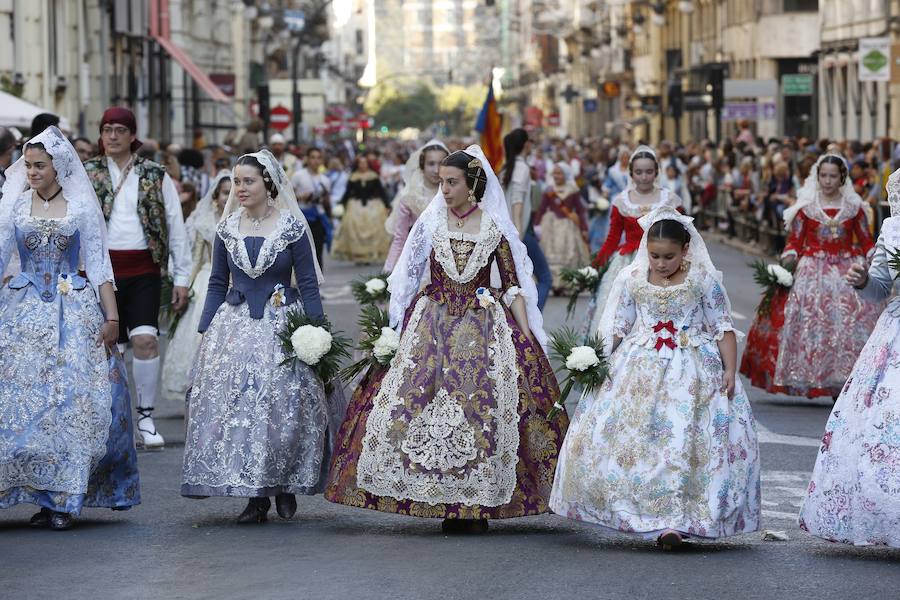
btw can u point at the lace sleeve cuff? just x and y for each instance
(789, 253)
(724, 327)
(510, 295)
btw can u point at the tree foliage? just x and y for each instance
(417, 108)
(415, 104)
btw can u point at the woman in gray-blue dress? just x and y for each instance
(257, 428)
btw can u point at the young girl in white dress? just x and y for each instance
(667, 447)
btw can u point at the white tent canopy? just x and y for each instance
(15, 112)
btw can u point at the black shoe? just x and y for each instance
(41, 519)
(256, 511)
(286, 505)
(60, 521)
(464, 526)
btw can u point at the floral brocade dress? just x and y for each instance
(661, 446)
(808, 341)
(457, 426)
(66, 432)
(854, 493)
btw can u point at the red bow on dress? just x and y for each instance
(660, 342)
(667, 325)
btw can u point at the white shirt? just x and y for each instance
(519, 192)
(306, 183)
(124, 230)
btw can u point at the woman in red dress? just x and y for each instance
(642, 195)
(809, 339)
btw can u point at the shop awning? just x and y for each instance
(196, 73)
(15, 112)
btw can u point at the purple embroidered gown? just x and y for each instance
(457, 426)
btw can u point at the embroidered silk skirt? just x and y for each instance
(457, 426)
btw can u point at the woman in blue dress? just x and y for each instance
(66, 437)
(257, 428)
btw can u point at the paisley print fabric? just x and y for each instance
(660, 446)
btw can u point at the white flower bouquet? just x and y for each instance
(770, 277)
(337, 211)
(584, 364)
(312, 341)
(378, 342)
(579, 280)
(371, 290)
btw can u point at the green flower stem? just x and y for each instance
(570, 383)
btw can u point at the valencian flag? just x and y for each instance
(490, 124)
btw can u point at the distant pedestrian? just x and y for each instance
(517, 184)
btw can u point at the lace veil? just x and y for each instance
(83, 206)
(640, 150)
(203, 219)
(697, 256)
(286, 200)
(808, 198)
(415, 193)
(568, 187)
(890, 227)
(406, 278)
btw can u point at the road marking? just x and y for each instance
(783, 493)
(767, 436)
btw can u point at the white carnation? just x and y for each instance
(337, 211)
(386, 345)
(375, 286)
(782, 275)
(311, 343)
(589, 272)
(582, 358)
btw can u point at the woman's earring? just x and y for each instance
(472, 199)
(683, 266)
(269, 199)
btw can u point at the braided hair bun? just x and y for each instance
(476, 178)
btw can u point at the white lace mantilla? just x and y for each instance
(486, 243)
(287, 231)
(440, 438)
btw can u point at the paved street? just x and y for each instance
(171, 547)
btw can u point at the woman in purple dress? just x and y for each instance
(456, 427)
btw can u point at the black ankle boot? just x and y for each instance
(41, 519)
(256, 511)
(451, 526)
(286, 505)
(60, 521)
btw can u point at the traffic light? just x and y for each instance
(262, 96)
(717, 87)
(676, 99)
